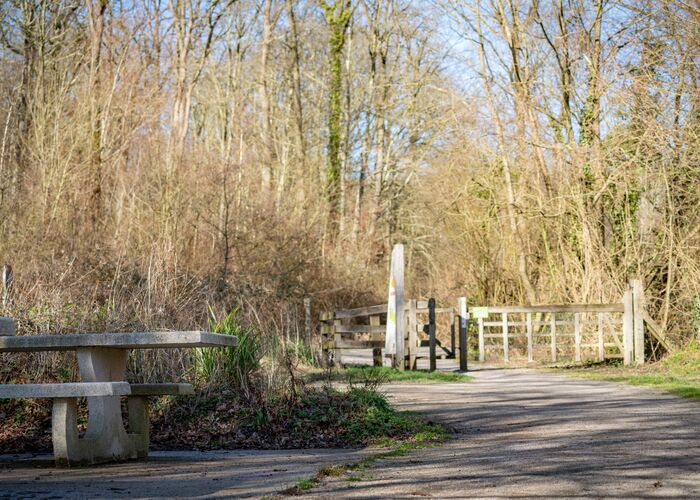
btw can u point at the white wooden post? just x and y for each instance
(504, 317)
(553, 329)
(628, 328)
(638, 322)
(482, 347)
(529, 337)
(395, 323)
(577, 337)
(601, 344)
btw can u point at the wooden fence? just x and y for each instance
(365, 328)
(552, 333)
(575, 332)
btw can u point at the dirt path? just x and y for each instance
(521, 433)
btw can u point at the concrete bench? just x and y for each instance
(68, 448)
(102, 357)
(137, 404)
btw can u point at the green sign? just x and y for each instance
(479, 312)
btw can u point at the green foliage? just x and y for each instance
(302, 352)
(305, 484)
(232, 365)
(376, 375)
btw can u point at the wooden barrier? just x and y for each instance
(343, 328)
(574, 332)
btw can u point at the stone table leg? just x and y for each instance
(105, 439)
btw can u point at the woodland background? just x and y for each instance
(160, 156)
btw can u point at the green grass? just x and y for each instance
(362, 373)
(381, 418)
(678, 373)
(305, 484)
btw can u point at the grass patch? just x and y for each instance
(304, 484)
(354, 471)
(678, 373)
(315, 418)
(376, 375)
(393, 375)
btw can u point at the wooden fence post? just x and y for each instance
(553, 331)
(628, 328)
(463, 344)
(529, 337)
(376, 336)
(577, 337)
(601, 344)
(504, 319)
(638, 321)
(412, 334)
(327, 331)
(482, 347)
(431, 333)
(307, 320)
(6, 282)
(337, 340)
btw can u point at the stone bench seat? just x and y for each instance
(68, 447)
(68, 390)
(162, 389)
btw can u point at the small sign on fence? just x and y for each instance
(480, 312)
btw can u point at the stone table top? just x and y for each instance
(121, 340)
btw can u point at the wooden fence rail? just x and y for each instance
(365, 328)
(576, 332)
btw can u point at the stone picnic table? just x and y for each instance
(102, 361)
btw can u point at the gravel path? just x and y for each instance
(517, 433)
(523, 433)
(173, 474)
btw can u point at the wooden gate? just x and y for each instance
(365, 328)
(570, 332)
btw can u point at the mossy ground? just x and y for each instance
(678, 373)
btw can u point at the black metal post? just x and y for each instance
(463, 346)
(431, 332)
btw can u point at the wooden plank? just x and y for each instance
(601, 343)
(504, 319)
(529, 337)
(656, 331)
(577, 337)
(337, 339)
(558, 308)
(482, 354)
(628, 329)
(379, 338)
(553, 341)
(535, 323)
(359, 328)
(354, 344)
(360, 311)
